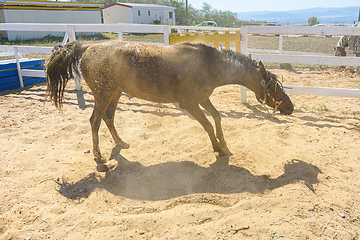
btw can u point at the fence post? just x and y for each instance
(243, 93)
(72, 37)
(120, 36)
(244, 39)
(281, 40)
(71, 33)
(178, 30)
(16, 53)
(244, 42)
(216, 44)
(65, 39)
(227, 43)
(167, 31)
(238, 43)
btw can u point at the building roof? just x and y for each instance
(49, 5)
(140, 6)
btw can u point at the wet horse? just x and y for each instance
(184, 73)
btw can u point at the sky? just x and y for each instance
(270, 5)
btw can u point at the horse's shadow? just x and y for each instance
(175, 179)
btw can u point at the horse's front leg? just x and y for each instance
(196, 112)
(208, 106)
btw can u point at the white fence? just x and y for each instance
(17, 52)
(277, 56)
(280, 56)
(180, 29)
(70, 31)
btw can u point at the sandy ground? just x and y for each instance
(289, 177)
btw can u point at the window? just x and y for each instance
(170, 15)
(148, 13)
(139, 13)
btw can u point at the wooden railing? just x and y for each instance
(70, 31)
(278, 56)
(17, 52)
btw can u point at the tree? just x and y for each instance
(313, 21)
(207, 11)
(195, 16)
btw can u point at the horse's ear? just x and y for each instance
(263, 72)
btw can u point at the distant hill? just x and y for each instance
(343, 15)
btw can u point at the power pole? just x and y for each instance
(187, 7)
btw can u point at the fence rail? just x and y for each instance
(292, 30)
(17, 52)
(321, 91)
(183, 29)
(70, 31)
(297, 57)
(280, 56)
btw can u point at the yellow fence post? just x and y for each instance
(227, 43)
(216, 44)
(238, 42)
(206, 34)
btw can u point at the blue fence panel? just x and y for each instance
(9, 78)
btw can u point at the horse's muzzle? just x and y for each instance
(286, 108)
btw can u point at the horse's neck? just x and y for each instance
(238, 74)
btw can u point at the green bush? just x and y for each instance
(286, 66)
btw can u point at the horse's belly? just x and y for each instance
(149, 97)
(151, 93)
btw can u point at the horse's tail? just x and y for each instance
(63, 63)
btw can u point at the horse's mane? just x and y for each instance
(246, 61)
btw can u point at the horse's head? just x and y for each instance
(273, 93)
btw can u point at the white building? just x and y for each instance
(138, 13)
(33, 11)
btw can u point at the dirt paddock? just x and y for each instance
(289, 177)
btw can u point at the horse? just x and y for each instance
(183, 73)
(339, 52)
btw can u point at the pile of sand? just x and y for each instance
(289, 177)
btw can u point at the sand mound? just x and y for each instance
(289, 177)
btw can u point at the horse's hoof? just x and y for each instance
(223, 152)
(108, 166)
(100, 160)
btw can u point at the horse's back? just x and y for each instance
(155, 73)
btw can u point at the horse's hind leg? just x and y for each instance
(217, 118)
(196, 112)
(95, 121)
(109, 120)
